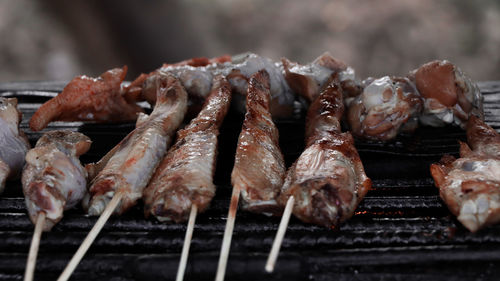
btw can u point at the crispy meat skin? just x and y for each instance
(128, 167)
(470, 185)
(13, 143)
(53, 178)
(328, 179)
(259, 167)
(88, 99)
(185, 175)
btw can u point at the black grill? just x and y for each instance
(401, 230)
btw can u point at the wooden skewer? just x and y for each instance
(278, 240)
(187, 243)
(228, 234)
(91, 237)
(35, 243)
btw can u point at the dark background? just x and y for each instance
(56, 39)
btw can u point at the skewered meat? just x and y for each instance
(13, 143)
(259, 167)
(128, 167)
(309, 79)
(386, 106)
(185, 175)
(53, 178)
(449, 95)
(89, 99)
(198, 81)
(328, 179)
(470, 185)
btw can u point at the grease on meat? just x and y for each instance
(13, 143)
(89, 99)
(54, 179)
(328, 179)
(128, 167)
(259, 167)
(470, 185)
(185, 176)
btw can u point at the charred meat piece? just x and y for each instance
(328, 179)
(470, 185)
(185, 176)
(308, 80)
(88, 99)
(128, 167)
(259, 167)
(13, 143)
(53, 178)
(386, 106)
(450, 97)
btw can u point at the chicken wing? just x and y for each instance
(128, 167)
(89, 99)
(53, 178)
(470, 185)
(185, 176)
(13, 143)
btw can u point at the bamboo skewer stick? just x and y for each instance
(187, 243)
(35, 243)
(91, 237)
(280, 234)
(228, 234)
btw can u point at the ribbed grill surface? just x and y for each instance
(401, 231)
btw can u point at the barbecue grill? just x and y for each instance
(401, 230)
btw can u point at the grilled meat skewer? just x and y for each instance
(184, 177)
(259, 167)
(53, 178)
(129, 166)
(328, 180)
(470, 185)
(13, 143)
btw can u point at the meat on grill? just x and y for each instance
(128, 167)
(53, 178)
(385, 107)
(328, 179)
(259, 166)
(470, 185)
(449, 96)
(13, 143)
(185, 176)
(89, 99)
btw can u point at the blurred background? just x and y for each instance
(57, 40)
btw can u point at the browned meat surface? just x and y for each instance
(328, 179)
(13, 143)
(128, 167)
(89, 99)
(259, 167)
(53, 178)
(185, 176)
(470, 185)
(385, 107)
(450, 97)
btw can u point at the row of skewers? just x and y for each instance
(324, 185)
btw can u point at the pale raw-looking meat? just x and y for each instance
(449, 96)
(89, 99)
(259, 167)
(470, 185)
(185, 175)
(385, 107)
(328, 179)
(128, 167)
(53, 178)
(13, 142)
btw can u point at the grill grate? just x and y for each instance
(400, 231)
